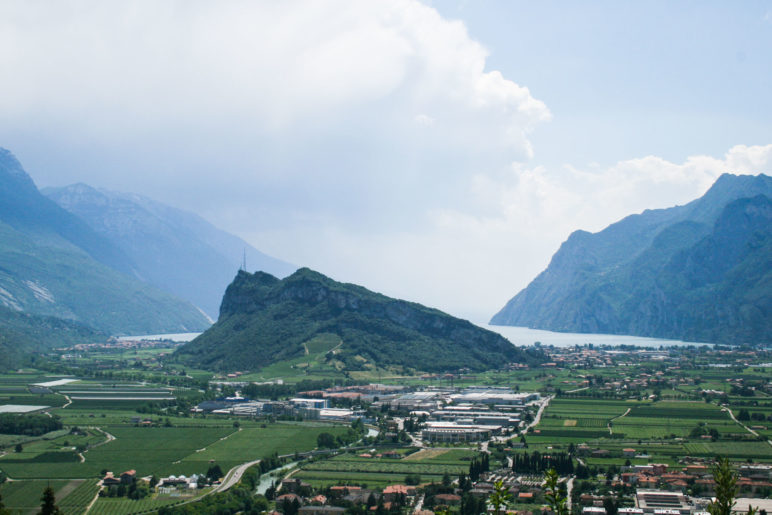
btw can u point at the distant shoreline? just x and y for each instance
(525, 336)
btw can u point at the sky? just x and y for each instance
(436, 151)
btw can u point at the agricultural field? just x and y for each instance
(251, 443)
(430, 465)
(580, 418)
(159, 450)
(73, 496)
(661, 431)
(124, 506)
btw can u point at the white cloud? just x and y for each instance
(269, 66)
(301, 110)
(366, 139)
(470, 262)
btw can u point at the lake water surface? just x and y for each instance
(526, 336)
(516, 335)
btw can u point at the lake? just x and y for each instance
(526, 336)
(516, 335)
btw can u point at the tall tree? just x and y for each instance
(500, 497)
(48, 506)
(726, 488)
(555, 499)
(3, 509)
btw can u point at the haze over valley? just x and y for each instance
(396, 257)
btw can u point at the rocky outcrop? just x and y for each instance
(264, 320)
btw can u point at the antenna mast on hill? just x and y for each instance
(244, 261)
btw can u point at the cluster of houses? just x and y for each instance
(295, 491)
(752, 477)
(471, 415)
(171, 484)
(125, 478)
(307, 408)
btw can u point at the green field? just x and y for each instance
(123, 506)
(161, 450)
(431, 465)
(72, 495)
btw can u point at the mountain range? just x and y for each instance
(174, 250)
(697, 272)
(53, 264)
(264, 320)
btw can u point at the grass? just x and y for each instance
(72, 495)
(124, 506)
(254, 443)
(161, 450)
(430, 464)
(147, 450)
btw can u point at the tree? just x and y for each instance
(214, 473)
(4, 511)
(18, 448)
(726, 488)
(48, 505)
(500, 497)
(412, 479)
(610, 505)
(555, 499)
(325, 440)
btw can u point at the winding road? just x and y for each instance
(234, 476)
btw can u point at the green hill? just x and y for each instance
(23, 334)
(264, 320)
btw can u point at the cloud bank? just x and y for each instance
(369, 140)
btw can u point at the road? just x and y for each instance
(543, 404)
(234, 476)
(537, 418)
(751, 431)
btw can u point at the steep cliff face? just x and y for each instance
(264, 320)
(632, 277)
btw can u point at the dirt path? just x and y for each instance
(424, 454)
(751, 431)
(108, 437)
(610, 430)
(94, 500)
(69, 487)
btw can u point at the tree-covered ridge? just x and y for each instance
(264, 320)
(698, 272)
(23, 335)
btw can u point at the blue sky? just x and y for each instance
(626, 79)
(438, 151)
